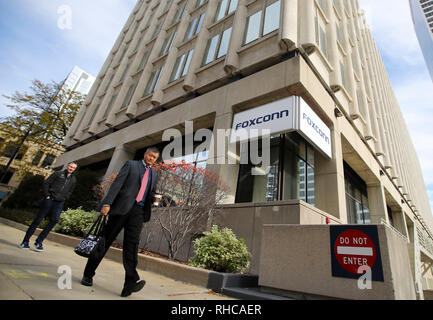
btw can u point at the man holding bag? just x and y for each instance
(128, 203)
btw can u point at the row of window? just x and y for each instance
(258, 25)
(10, 150)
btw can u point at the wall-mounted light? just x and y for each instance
(337, 113)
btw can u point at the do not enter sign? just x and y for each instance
(353, 247)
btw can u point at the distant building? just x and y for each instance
(30, 156)
(422, 15)
(79, 80)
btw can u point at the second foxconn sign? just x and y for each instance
(353, 248)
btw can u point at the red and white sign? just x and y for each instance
(353, 249)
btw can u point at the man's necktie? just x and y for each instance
(143, 186)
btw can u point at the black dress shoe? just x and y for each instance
(87, 281)
(127, 290)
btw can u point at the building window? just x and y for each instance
(144, 59)
(259, 25)
(194, 27)
(181, 66)
(290, 175)
(200, 3)
(356, 198)
(49, 159)
(157, 29)
(217, 46)
(93, 114)
(225, 7)
(129, 95)
(153, 81)
(109, 106)
(179, 13)
(8, 176)
(37, 158)
(168, 42)
(21, 153)
(321, 34)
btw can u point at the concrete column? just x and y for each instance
(329, 175)
(307, 37)
(120, 156)
(415, 259)
(375, 101)
(232, 58)
(155, 48)
(172, 54)
(289, 24)
(377, 203)
(104, 103)
(333, 52)
(189, 82)
(219, 159)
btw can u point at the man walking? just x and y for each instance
(57, 189)
(128, 203)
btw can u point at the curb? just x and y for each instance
(173, 270)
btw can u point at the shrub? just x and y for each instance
(75, 222)
(84, 196)
(221, 251)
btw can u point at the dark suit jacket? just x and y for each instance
(124, 190)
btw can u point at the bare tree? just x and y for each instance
(190, 195)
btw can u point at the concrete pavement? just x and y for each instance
(31, 275)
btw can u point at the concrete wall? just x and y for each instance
(247, 221)
(297, 258)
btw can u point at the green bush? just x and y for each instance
(221, 251)
(84, 196)
(75, 222)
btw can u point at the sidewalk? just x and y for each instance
(31, 275)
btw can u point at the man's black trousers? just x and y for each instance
(132, 223)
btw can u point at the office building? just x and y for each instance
(422, 16)
(340, 149)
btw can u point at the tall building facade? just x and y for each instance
(422, 15)
(344, 157)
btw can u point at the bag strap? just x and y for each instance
(101, 226)
(95, 225)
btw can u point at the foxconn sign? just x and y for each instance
(282, 116)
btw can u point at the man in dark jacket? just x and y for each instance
(57, 189)
(128, 203)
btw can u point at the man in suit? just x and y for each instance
(128, 203)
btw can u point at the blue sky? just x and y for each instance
(33, 46)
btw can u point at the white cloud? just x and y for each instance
(391, 24)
